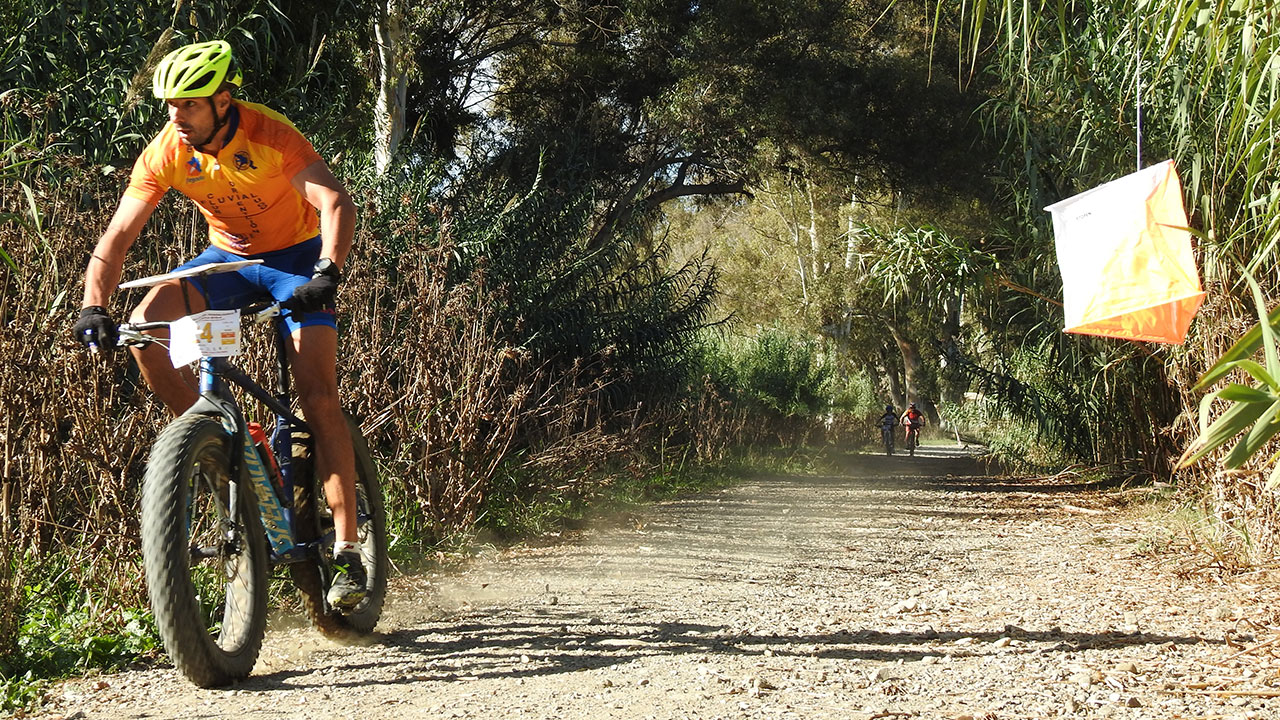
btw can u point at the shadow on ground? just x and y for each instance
(489, 647)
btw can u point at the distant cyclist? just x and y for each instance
(913, 421)
(888, 421)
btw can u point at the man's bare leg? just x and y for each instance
(314, 362)
(175, 387)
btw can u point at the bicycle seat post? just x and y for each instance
(282, 359)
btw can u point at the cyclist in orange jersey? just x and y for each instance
(259, 184)
(913, 420)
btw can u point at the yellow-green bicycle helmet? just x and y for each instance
(195, 71)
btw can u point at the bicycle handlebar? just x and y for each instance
(134, 334)
(145, 325)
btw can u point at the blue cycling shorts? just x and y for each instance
(276, 278)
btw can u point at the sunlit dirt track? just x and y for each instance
(897, 587)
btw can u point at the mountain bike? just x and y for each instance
(912, 438)
(219, 509)
(886, 436)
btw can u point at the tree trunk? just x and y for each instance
(913, 369)
(951, 309)
(851, 236)
(897, 396)
(393, 84)
(815, 246)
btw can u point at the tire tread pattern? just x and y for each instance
(166, 556)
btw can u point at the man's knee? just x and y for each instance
(169, 301)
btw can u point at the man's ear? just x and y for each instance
(222, 100)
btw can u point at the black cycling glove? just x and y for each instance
(95, 328)
(315, 294)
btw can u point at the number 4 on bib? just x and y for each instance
(212, 333)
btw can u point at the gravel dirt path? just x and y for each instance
(897, 587)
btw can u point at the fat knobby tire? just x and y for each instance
(187, 472)
(312, 520)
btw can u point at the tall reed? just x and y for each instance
(1204, 78)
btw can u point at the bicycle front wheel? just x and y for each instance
(205, 553)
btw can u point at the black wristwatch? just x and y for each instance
(325, 266)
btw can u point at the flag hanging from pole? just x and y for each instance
(1128, 270)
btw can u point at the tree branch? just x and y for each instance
(736, 187)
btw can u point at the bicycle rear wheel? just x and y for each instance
(206, 561)
(313, 519)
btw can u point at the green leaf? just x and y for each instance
(1206, 408)
(32, 207)
(1243, 393)
(1246, 346)
(1268, 333)
(1258, 372)
(1262, 431)
(1274, 480)
(1236, 418)
(56, 306)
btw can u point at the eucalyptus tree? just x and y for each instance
(392, 81)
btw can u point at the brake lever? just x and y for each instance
(130, 335)
(267, 313)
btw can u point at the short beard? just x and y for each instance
(217, 125)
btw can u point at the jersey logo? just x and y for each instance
(193, 166)
(243, 161)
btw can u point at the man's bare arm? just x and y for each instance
(107, 261)
(326, 193)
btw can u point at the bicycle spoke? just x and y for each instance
(215, 553)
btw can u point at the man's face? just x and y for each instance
(193, 117)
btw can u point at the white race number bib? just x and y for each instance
(212, 333)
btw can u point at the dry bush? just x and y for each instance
(716, 424)
(440, 395)
(575, 437)
(448, 404)
(1242, 503)
(76, 429)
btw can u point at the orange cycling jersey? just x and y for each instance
(245, 191)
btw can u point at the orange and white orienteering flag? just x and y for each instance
(1128, 270)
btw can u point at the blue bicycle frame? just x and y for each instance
(275, 505)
